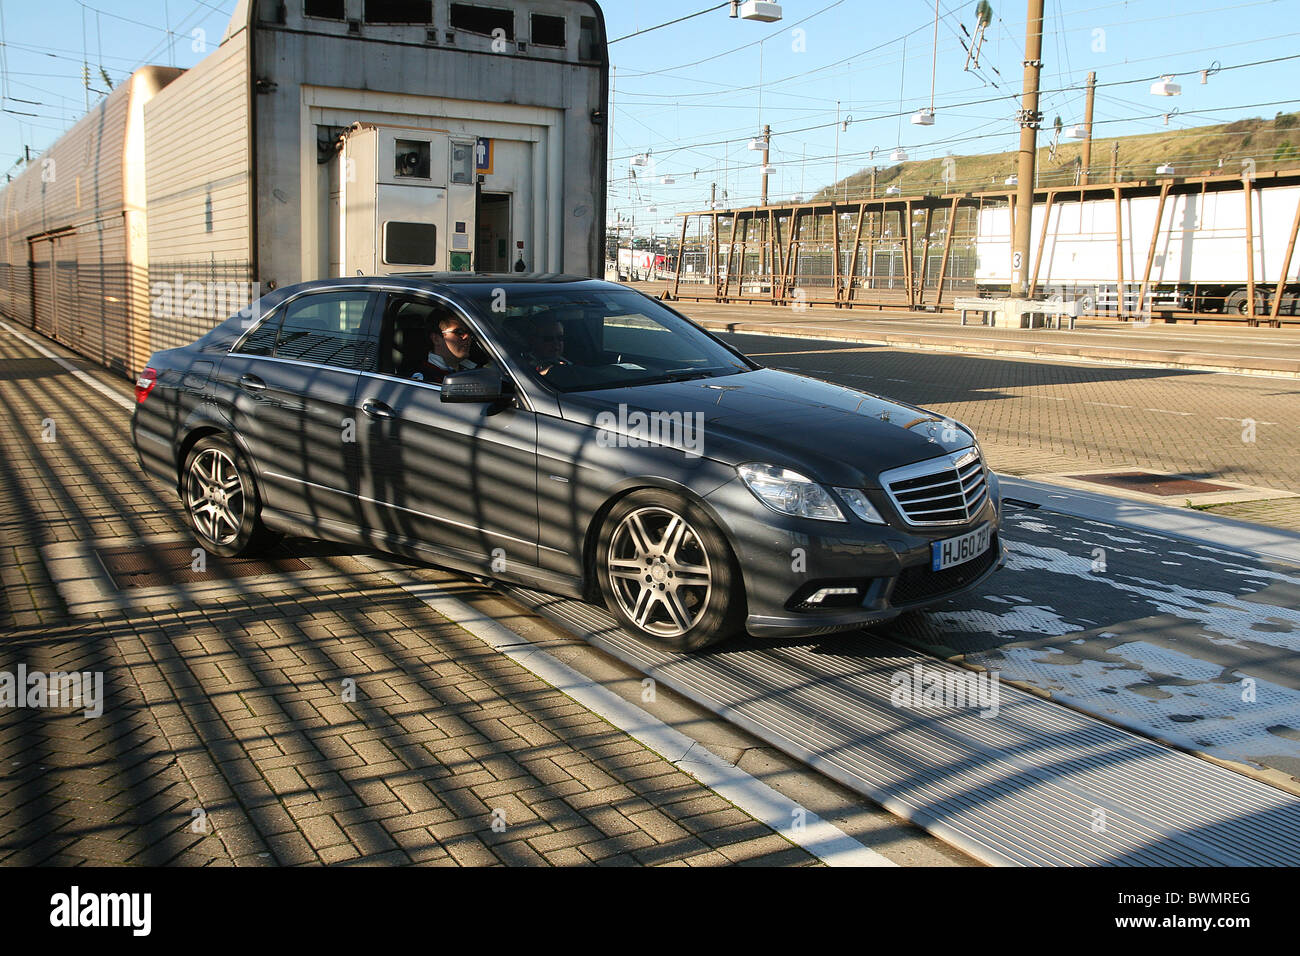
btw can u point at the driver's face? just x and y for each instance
(457, 339)
(548, 341)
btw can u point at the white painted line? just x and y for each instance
(1108, 404)
(1165, 411)
(822, 839)
(97, 385)
(1184, 523)
(993, 352)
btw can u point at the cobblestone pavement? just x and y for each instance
(228, 734)
(1039, 418)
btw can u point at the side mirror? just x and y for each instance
(476, 385)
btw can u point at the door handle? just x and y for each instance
(375, 409)
(252, 383)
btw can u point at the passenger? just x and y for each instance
(546, 345)
(453, 345)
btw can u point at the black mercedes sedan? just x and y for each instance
(573, 436)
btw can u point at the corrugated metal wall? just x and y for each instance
(199, 192)
(66, 264)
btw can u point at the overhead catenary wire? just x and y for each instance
(1009, 96)
(689, 16)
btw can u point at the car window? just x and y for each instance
(577, 340)
(327, 328)
(408, 328)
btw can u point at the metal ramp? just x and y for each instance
(1036, 785)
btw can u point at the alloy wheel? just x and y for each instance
(660, 571)
(215, 496)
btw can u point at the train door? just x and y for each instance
(493, 218)
(41, 256)
(67, 318)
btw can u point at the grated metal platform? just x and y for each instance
(174, 564)
(1035, 785)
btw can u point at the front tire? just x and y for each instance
(221, 501)
(667, 573)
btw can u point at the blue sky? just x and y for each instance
(692, 94)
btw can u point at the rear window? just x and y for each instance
(325, 328)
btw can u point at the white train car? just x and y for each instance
(73, 256)
(1199, 257)
(320, 138)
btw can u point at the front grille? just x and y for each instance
(947, 490)
(921, 583)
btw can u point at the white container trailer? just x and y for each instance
(1200, 246)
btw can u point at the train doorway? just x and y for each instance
(493, 218)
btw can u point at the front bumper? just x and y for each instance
(785, 560)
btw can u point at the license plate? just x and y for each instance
(954, 551)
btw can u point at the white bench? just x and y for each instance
(1010, 313)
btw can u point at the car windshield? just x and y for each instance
(577, 340)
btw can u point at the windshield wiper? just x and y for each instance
(672, 375)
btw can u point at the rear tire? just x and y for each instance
(1238, 302)
(221, 500)
(667, 573)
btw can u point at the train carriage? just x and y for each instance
(320, 138)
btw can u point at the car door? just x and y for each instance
(290, 385)
(460, 477)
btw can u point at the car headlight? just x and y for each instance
(789, 492)
(860, 505)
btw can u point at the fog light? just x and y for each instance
(821, 595)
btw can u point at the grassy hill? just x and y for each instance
(1271, 143)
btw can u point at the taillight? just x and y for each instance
(145, 383)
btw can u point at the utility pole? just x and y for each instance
(767, 142)
(609, 128)
(836, 177)
(1085, 161)
(1030, 118)
(1114, 161)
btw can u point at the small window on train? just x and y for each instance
(462, 163)
(399, 11)
(325, 9)
(587, 39)
(548, 31)
(412, 159)
(472, 18)
(410, 243)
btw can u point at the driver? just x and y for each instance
(452, 345)
(546, 345)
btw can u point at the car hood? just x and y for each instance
(832, 433)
